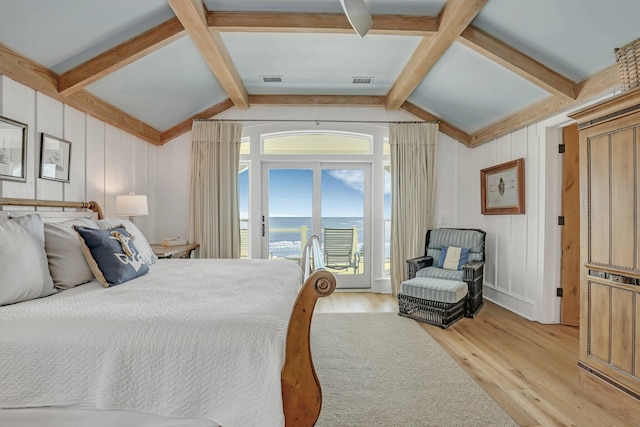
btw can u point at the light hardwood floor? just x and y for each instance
(528, 368)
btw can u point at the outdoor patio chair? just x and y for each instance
(339, 252)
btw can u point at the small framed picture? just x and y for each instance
(55, 158)
(13, 150)
(502, 188)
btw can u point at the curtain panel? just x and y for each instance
(413, 181)
(214, 219)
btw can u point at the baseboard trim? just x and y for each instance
(512, 303)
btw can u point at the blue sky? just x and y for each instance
(290, 192)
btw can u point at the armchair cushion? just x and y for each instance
(453, 257)
(441, 273)
(464, 238)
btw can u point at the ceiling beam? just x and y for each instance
(39, 78)
(360, 100)
(518, 62)
(318, 23)
(455, 16)
(102, 110)
(444, 127)
(607, 80)
(186, 125)
(193, 16)
(120, 56)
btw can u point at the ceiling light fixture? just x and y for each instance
(358, 15)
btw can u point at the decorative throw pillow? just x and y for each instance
(67, 264)
(112, 255)
(453, 257)
(139, 239)
(35, 227)
(19, 280)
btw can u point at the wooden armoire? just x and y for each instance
(609, 359)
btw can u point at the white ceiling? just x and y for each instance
(575, 38)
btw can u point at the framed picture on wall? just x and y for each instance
(502, 188)
(13, 150)
(55, 158)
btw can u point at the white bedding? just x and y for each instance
(193, 338)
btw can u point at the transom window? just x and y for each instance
(316, 143)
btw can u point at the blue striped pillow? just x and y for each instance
(453, 257)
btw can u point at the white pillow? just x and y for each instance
(35, 227)
(146, 253)
(67, 263)
(19, 280)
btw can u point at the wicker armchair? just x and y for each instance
(472, 273)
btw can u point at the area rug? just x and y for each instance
(380, 369)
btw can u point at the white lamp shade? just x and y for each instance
(358, 15)
(132, 205)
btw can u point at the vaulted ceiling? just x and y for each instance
(481, 67)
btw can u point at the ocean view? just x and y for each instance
(285, 233)
(285, 237)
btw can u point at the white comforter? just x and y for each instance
(193, 338)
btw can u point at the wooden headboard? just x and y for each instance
(94, 206)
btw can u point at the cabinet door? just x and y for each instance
(623, 198)
(622, 342)
(599, 202)
(599, 318)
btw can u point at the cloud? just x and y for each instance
(351, 178)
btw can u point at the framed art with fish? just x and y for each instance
(502, 188)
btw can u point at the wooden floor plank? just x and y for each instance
(528, 368)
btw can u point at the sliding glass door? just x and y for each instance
(327, 199)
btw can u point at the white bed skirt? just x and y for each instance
(86, 416)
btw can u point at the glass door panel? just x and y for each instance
(314, 199)
(290, 193)
(243, 198)
(387, 220)
(342, 219)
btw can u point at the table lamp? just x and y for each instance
(131, 205)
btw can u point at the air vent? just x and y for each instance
(362, 80)
(272, 79)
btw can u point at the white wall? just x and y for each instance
(515, 244)
(173, 181)
(523, 251)
(105, 161)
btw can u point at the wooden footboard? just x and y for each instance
(301, 391)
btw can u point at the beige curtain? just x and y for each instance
(214, 219)
(413, 181)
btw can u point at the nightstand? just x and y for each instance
(178, 251)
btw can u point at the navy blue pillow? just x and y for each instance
(111, 254)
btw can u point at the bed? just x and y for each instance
(222, 341)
